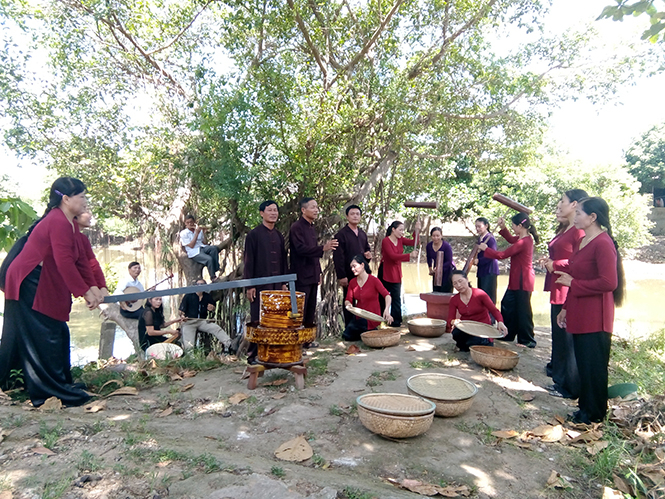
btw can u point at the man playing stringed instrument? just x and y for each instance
(131, 309)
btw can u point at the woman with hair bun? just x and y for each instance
(38, 288)
(432, 249)
(516, 302)
(364, 292)
(595, 277)
(392, 256)
(562, 367)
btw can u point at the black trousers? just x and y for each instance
(348, 316)
(564, 366)
(395, 290)
(355, 328)
(517, 316)
(488, 284)
(592, 354)
(446, 285)
(39, 345)
(309, 317)
(464, 341)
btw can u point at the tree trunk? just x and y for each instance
(111, 312)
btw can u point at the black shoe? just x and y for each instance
(578, 417)
(555, 393)
(531, 344)
(548, 369)
(252, 361)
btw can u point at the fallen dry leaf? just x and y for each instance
(43, 451)
(4, 396)
(424, 489)
(125, 390)
(656, 476)
(175, 377)
(411, 349)
(528, 397)
(454, 491)
(4, 433)
(505, 433)
(556, 481)
(560, 419)
(352, 350)
(660, 454)
(187, 373)
(51, 404)
(116, 381)
(187, 387)
(548, 433)
(622, 485)
(279, 396)
(6, 494)
(279, 382)
(166, 412)
(595, 447)
(609, 493)
(96, 406)
(237, 398)
(296, 450)
(588, 436)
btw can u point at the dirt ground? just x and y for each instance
(178, 441)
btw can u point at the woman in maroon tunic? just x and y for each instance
(562, 367)
(392, 256)
(363, 292)
(516, 302)
(38, 288)
(473, 304)
(595, 277)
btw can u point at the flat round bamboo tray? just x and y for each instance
(395, 426)
(479, 329)
(427, 328)
(379, 338)
(365, 314)
(494, 357)
(395, 404)
(163, 351)
(451, 395)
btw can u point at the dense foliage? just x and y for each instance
(646, 159)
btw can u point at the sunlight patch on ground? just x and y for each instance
(521, 384)
(121, 417)
(243, 435)
(218, 407)
(421, 346)
(483, 480)
(347, 461)
(388, 362)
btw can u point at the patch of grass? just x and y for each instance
(278, 471)
(640, 361)
(440, 364)
(318, 460)
(13, 421)
(207, 462)
(56, 489)
(353, 493)
(421, 364)
(318, 366)
(481, 430)
(335, 410)
(5, 484)
(50, 435)
(128, 471)
(87, 461)
(378, 377)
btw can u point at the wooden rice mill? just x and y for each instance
(280, 336)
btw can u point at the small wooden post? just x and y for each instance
(106, 340)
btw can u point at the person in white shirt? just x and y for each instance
(192, 240)
(134, 269)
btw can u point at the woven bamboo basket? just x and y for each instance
(395, 404)
(380, 338)
(494, 357)
(275, 309)
(392, 426)
(428, 328)
(279, 354)
(451, 395)
(276, 336)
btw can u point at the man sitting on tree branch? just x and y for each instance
(192, 239)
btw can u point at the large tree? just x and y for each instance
(646, 159)
(211, 107)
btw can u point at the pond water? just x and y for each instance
(639, 316)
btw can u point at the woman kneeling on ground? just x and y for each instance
(473, 304)
(364, 291)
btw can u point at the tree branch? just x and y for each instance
(310, 43)
(182, 32)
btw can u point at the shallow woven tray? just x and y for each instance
(479, 329)
(451, 395)
(392, 426)
(494, 357)
(380, 338)
(428, 328)
(365, 314)
(396, 404)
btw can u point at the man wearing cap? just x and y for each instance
(352, 241)
(131, 309)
